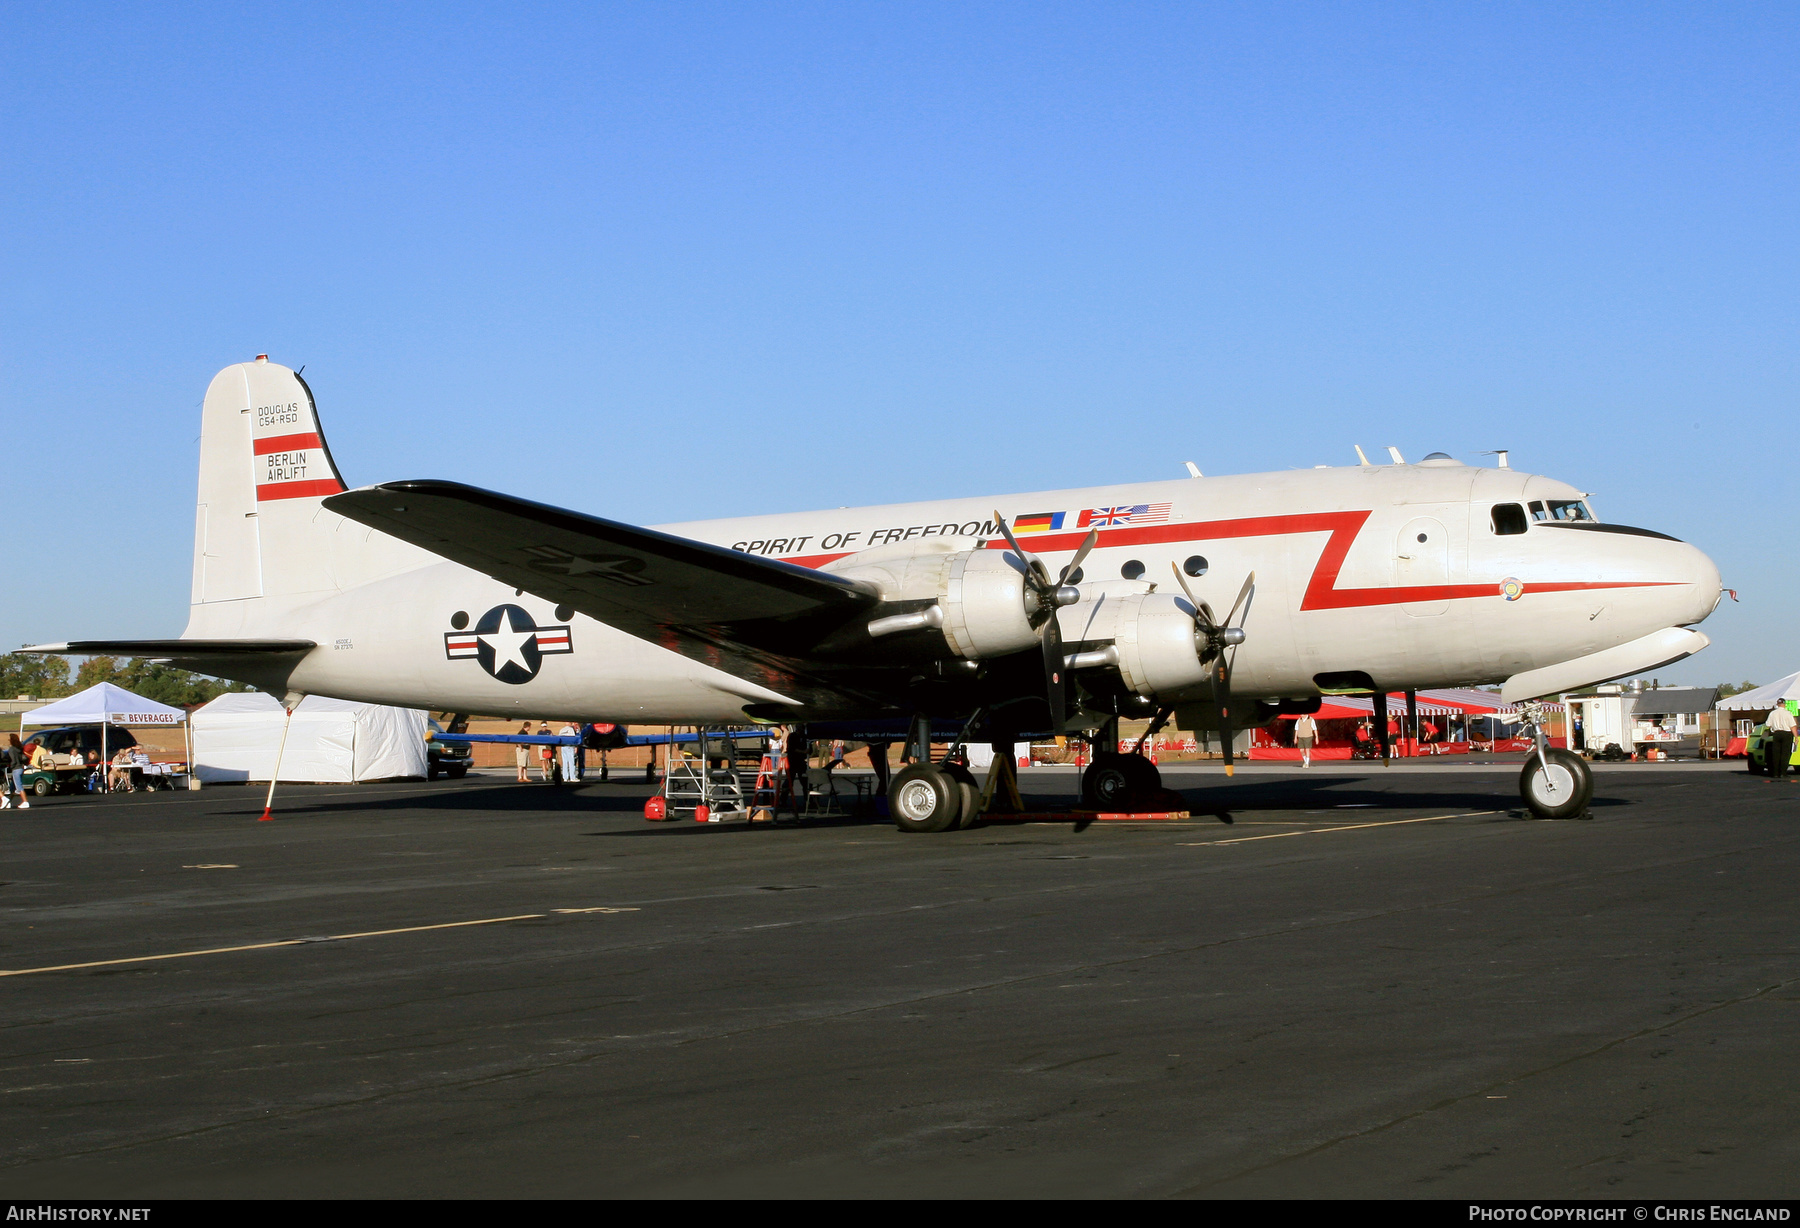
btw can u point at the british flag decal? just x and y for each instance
(1123, 514)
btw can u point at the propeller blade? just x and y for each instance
(1249, 586)
(1007, 534)
(1080, 554)
(1182, 580)
(1221, 681)
(1202, 612)
(1037, 576)
(1055, 688)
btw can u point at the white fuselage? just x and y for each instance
(1343, 583)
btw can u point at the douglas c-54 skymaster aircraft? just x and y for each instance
(1060, 611)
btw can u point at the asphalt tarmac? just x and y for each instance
(1369, 984)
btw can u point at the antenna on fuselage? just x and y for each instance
(1360, 458)
(1500, 458)
(1395, 453)
(1193, 469)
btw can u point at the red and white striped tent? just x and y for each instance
(1447, 701)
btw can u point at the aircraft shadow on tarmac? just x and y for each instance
(1219, 801)
(1325, 792)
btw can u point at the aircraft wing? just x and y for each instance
(754, 616)
(193, 650)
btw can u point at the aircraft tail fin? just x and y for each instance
(259, 530)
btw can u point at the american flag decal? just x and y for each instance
(1124, 514)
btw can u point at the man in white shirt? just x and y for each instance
(1305, 733)
(568, 753)
(1778, 742)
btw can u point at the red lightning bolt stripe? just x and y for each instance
(1322, 592)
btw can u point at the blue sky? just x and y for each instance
(661, 262)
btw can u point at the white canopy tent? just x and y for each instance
(237, 737)
(104, 704)
(1763, 698)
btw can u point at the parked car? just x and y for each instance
(1754, 756)
(446, 758)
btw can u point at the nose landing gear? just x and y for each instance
(1555, 783)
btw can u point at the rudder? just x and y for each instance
(264, 466)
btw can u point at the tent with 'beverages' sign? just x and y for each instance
(104, 704)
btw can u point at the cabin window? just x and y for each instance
(1509, 519)
(1132, 570)
(1195, 566)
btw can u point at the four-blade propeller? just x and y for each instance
(1218, 640)
(1044, 596)
(1221, 640)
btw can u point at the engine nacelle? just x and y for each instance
(1155, 645)
(1159, 646)
(979, 599)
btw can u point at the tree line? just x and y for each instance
(52, 678)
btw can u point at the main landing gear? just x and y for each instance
(932, 797)
(1113, 781)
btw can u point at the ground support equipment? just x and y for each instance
(706, 787)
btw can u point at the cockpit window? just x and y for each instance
(1562, 509)
(1509, 519)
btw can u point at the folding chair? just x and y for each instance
(821, 791)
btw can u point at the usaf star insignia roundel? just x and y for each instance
(509, 645)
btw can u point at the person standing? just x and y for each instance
(878, 759)
(799, 755)
(522, 755)
(1305, 733)
(12, 763)
(568, 752)
(546, 754)
(1778, 742)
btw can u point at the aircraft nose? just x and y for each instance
(1700, 592)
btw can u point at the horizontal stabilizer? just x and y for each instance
(183, 649)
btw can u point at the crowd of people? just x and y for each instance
(18, 757)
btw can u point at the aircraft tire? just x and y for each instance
(1113, 780)
(1573, 780)
(970, 795)
(924, 798)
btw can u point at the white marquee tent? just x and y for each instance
(1764, 698)
(104, 704)
(331, 741)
